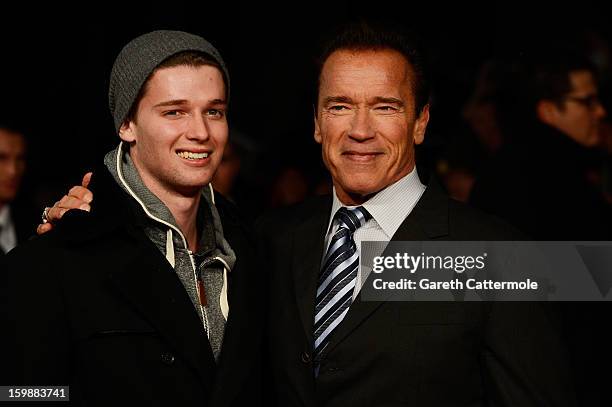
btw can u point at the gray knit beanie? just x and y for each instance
(139, 58)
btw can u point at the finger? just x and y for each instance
(86, 179)
(43, 228)
(55, 213)
(71, 202)
(81, 193)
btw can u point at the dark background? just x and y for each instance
(56, 62)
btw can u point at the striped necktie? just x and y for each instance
(338, 276)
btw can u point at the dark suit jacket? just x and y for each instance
(95, 305)
(406, 353)
(25, 220)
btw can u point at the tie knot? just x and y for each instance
(352, 219)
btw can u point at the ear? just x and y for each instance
(126, 132)
(420, 125)
(547, 111)
(317, 130)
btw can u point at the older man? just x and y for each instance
(329, 347)
(146, 299)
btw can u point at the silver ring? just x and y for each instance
(45, 214)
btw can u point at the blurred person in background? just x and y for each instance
(542, 182)
(16, 224)
(240, 177)
(539, 180)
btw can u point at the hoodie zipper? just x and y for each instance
(201, 294)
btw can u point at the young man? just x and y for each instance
(147, 298)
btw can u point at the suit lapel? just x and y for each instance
(244, 317)
(428, 220)
(147, 281)
(308, 242)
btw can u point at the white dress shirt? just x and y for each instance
(389, 208)
(8, 237)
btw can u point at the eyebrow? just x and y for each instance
(375, 100)
(177, 102)
(182, 102)
(337, 99)
(388, 100)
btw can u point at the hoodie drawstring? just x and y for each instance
(223, 296)
(170, 248)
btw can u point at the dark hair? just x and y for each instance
(534, 76)
(364, 36)
(12, 125)
(550, 75)
(186, 58)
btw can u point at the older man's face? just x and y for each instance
(12, 164)
(366, 121)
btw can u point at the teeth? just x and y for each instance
(192, 156)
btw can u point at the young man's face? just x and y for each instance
(180, 129)
(366, 121)
(12, 165)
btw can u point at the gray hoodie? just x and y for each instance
(210, 264)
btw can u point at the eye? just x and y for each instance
(386, 108)
(217, 113)
(337, 108)
(171, 113)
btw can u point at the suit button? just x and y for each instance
(167, 358)
(306, 357)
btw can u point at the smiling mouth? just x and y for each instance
(188, 155)
(352, 155)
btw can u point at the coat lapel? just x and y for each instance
(428, 220)
(308, 242)
(244, 298)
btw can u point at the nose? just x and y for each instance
(12, 167)
(198, 129)
(600, 111)
(361, 126)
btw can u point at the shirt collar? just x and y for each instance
(390, 206)
(5, 216)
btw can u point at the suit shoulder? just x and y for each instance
(472, 223)
(234, 220)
